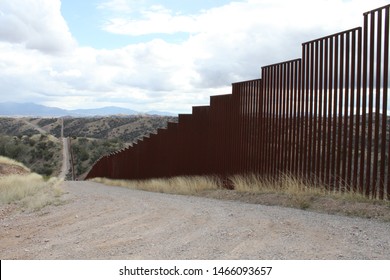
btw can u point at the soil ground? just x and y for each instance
(101, 222)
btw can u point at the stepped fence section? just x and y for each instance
(323, 118)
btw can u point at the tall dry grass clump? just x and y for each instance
(15, 187)
(30, 190)
(287, 184)
(185, 185)
(300, 193)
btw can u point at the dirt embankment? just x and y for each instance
(9, 169)
(100, 222)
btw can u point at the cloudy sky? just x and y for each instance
(153, 55)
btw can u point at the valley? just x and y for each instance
(36, 142)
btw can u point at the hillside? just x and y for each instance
(35, 141)
(16, 127)
(41, 153)
(128, 129)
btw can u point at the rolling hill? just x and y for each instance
(35, 141)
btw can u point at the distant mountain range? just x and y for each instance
(11, 109)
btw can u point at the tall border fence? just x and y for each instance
(323, 118)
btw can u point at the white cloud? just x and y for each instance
(156, 19)
(232, 42)
(239, 16)
(36, 24)
(224, 45)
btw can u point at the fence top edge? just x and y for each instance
(281, 63)
(184, 115)
(200, 107)
(332, 35)
(243, 82)
(377, 9)
(219, 96)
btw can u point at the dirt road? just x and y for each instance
(100, 222)
(65, 158)
(35, 126)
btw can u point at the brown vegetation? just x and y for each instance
(287, 192)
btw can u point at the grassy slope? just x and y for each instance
(28, 190)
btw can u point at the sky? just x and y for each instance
(153, 55)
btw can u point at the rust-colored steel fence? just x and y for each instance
(323, 117)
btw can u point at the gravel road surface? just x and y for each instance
(101, 222)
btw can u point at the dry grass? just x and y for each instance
(188, 185)
(286, 184)
(288, 191)
(300, 193)
(290, 185)
(30, 191)
(249, 183)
